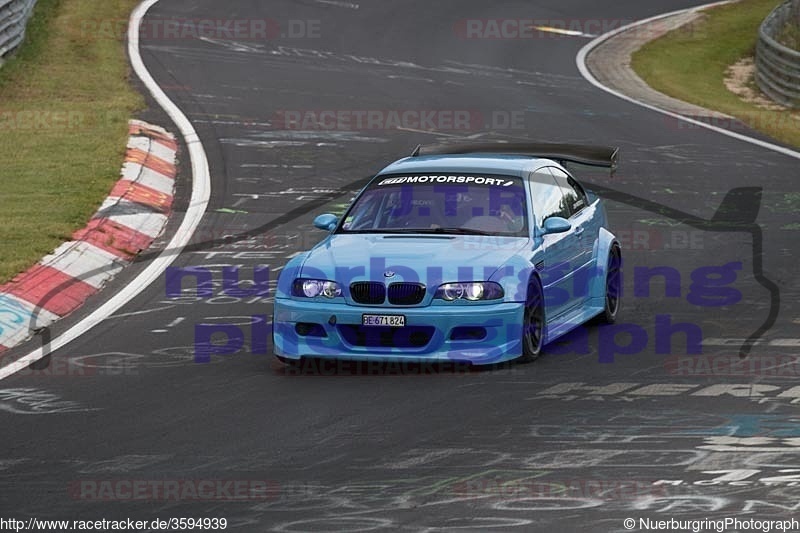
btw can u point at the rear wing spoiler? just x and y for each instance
(582, 154)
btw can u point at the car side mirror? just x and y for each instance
(327, 222)
(556, 225)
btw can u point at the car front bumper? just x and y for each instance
(478, 334)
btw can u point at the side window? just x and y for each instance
(574, 197)
(547, 198)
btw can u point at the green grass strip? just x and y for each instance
(690, 64)
(65, 101)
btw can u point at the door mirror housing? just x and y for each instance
(556, 225)
(327, 222)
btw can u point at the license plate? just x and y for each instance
(394, 321)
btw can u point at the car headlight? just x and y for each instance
(472, 291)
(311, 288)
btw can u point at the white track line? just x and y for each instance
(580, 59)
(562, 31)
(201, 192)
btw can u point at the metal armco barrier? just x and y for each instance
(14, 14)
(777, 66)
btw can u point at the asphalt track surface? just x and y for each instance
(567, 442)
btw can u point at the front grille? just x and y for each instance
(386, 337)
(406, 293)
(368, 292)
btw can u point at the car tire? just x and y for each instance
(613, 289)
(533, 323)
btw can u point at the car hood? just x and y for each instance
(355, 257)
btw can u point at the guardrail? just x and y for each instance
(14, 14)
(778, 66)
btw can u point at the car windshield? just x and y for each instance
(454, 204)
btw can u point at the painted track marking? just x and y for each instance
(562, 31)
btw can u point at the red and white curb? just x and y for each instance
(128, 221)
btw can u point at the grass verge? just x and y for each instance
(691, 64)
(65, 101)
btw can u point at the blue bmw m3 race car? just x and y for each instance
(473, 254)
